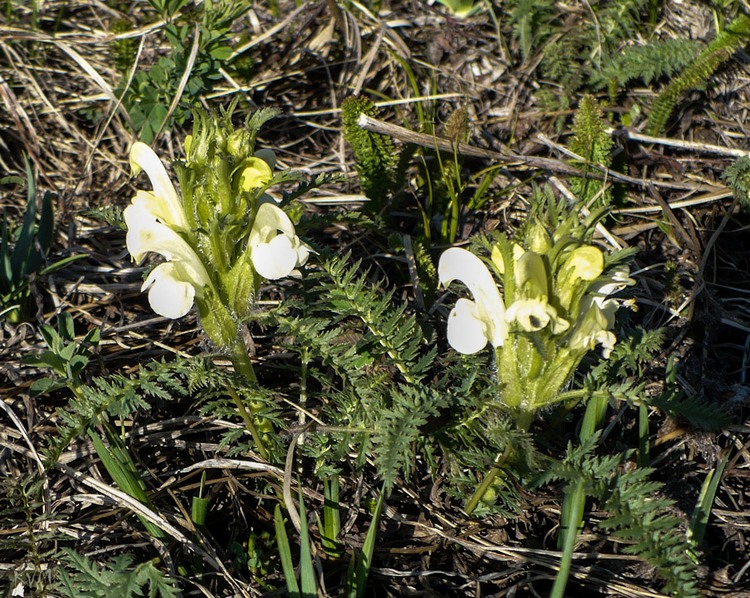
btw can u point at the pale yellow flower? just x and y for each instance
(255, 173)
(535, 314)
(472, 324)
(172, 285)
(163, 202)
(275, 249)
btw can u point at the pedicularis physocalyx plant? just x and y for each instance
(555, 307)
(542, 304)
(221, 238)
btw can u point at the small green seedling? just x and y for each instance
(64, 356)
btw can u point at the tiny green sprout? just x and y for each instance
(64, 355)
(462, 9)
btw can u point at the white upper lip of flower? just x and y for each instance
(174, 284)
(472, 324)
(275, 254)
(163, 201)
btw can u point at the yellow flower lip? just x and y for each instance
(532, 315)
(255, 173)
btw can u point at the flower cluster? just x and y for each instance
(221, 238)
(557, 305)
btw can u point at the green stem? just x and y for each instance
(241, 361)
(244, 367)
(509, 392)
(249, 423)
(479, 493)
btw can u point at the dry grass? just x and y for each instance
(56, 64)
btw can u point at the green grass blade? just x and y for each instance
(285, 553)
(572, 515)
(23, 247)
(119, 465)
(702, 511)
(307, 572)
(359, 567)
(331, 524)
(44, 234)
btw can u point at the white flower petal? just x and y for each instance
(467, 333)
(164, 201)
(275, 259)
(303, 254)
(275, 248)
(609, 285)
(169, 295)
(459, 264)
(269, 220)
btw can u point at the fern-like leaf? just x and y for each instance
(636, 512)
(732, 38)
(81, 577)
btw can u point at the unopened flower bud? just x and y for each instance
(239, 144)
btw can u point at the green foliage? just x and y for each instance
(374, 154)
(151, 93)
(592, 142)
(23, 509)
(66, 357)
(27, 255)
(637, 515)
(649, 62)
(220, 391)
(81, 577)
(693, 408)
(123, 50)
(361, 563)
(576, 47)
(737, 176)
(628, 362)
(389, 331)
(307, 586)
(358, 341)
(121, 467)
(531, 21)
(735, 36)
(118, 396)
